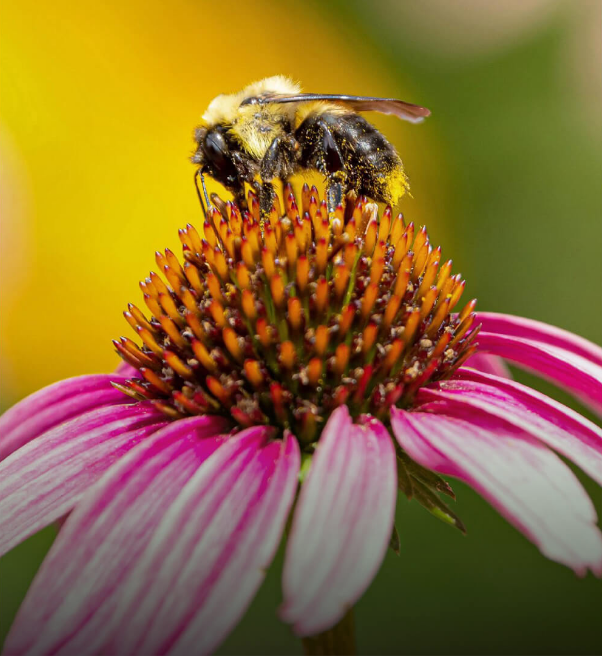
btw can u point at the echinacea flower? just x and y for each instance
(294, 373)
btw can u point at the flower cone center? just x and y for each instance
(281, 320)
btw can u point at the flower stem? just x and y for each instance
(339, 640)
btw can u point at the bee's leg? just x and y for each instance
(332, 165)
(280, 160)
(267, 196)
(246, 173)
(334, 194)
(240, 198)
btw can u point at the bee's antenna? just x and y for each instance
(206, 203)
(205, 189)
(198, 193)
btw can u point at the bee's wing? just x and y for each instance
(399, 108)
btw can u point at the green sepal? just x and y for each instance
(339, 639)
(424, 475)
(431, 501)
(395, 542)
(305, 465)
(404, 481)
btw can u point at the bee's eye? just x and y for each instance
(216, 149)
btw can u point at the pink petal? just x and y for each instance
(242, 571)
(576, 374)
(489, 364)
(506, 324)
(523, 479)
(561, 428)
(105, 536)
(166, 552)
(43, 480)
(342, 523)
(126, 370)
(54, 404)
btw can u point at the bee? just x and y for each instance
(271, 130)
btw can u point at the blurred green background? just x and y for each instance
(99, 102)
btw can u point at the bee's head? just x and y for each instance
(214, 155)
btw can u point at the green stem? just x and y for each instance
(337, 641)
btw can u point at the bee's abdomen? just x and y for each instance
(373, 166)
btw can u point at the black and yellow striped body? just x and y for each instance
(271, 131)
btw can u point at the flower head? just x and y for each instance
(304, 357)
(283, 323)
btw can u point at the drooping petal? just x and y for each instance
(43, 480)
(242, 571)
(105, 536)
(561, 428)
(55, 404)
(167, 550)
(507, 324)
(489, 364)
(525, 481)
(342, 523)
(578, 375)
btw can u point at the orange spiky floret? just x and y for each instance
(280, 323)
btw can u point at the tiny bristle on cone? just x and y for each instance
(279, 319)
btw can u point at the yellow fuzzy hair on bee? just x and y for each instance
(225, 107)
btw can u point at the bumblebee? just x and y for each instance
(271, 130)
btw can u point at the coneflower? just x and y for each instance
(301, 358)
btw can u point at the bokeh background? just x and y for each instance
(98, 105)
